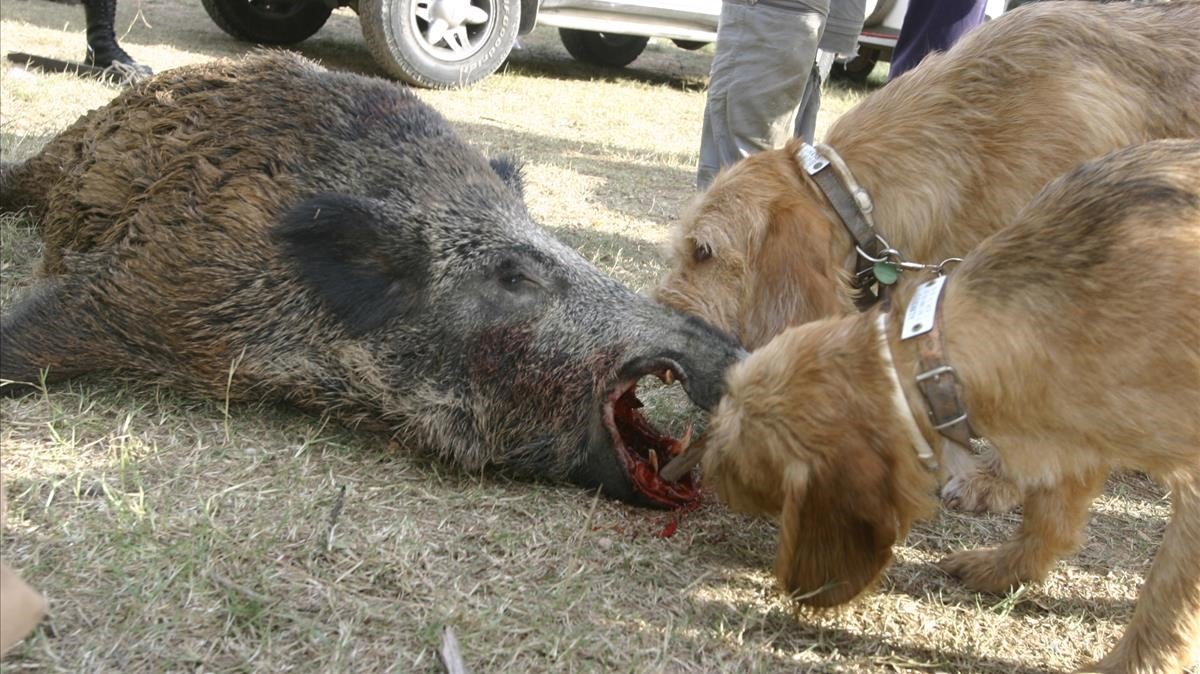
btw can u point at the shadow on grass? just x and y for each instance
(739, 547)
(924, 582)
(685, 72)
(929, 584)
(849, 86)
(843, 650)
(636, 190)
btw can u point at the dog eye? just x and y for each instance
(703, 252)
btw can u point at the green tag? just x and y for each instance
(886, 273)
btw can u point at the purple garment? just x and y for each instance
(933, 25)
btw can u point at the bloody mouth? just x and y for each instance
(643, 449)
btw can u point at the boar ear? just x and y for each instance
(366, 270)
(836, 529)
(509, 170)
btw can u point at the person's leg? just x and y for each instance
(763, 60)
(933, 25)
(714, 134)
(810, 105)
(102, 48)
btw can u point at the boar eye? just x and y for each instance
(514, 280)
(512, 277)
(702, 253)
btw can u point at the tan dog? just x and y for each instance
(947, 153)
(1075, 335)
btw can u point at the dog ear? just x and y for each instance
(836, 529)
(795, 279)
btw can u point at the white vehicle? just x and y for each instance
(452, 43)
(614, 33)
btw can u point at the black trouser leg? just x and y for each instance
(103, 49)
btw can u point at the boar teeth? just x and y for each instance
(683, 443)
(682, 464)
(667, 376)
(653, 456)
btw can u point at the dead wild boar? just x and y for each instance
(272, 230)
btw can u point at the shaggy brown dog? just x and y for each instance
(947, 153)
(1073, 333)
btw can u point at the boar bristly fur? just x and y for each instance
(267, 229)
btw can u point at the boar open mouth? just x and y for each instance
(642, 449)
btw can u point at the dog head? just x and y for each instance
(756, 252)
(806, 431)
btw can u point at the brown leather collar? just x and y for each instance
(920, 445)
(853, 207)
(938, 382)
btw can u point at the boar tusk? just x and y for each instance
(683, 442)
(683, 464)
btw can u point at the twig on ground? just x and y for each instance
(333, 517)
(587, 522)
(450, 653)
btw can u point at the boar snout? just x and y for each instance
(698, 355)
(625, 452)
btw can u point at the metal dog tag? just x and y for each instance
(885, 272)
(812, 160)
(922, 309)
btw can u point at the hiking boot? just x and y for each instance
(102, 48)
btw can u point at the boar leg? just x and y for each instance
(19, 188)
(46, 337)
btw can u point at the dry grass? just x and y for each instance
(171, 536)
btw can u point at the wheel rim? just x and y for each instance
(451, 30)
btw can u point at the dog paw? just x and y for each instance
(982, 570)
(980, 492)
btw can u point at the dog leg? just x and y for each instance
(976, 485)
(1052, 527)
(1164, 635)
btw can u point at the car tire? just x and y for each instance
(690, 45)
(268, 23)
(473, 40)
(612, 50)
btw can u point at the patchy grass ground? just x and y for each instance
(171, 534)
